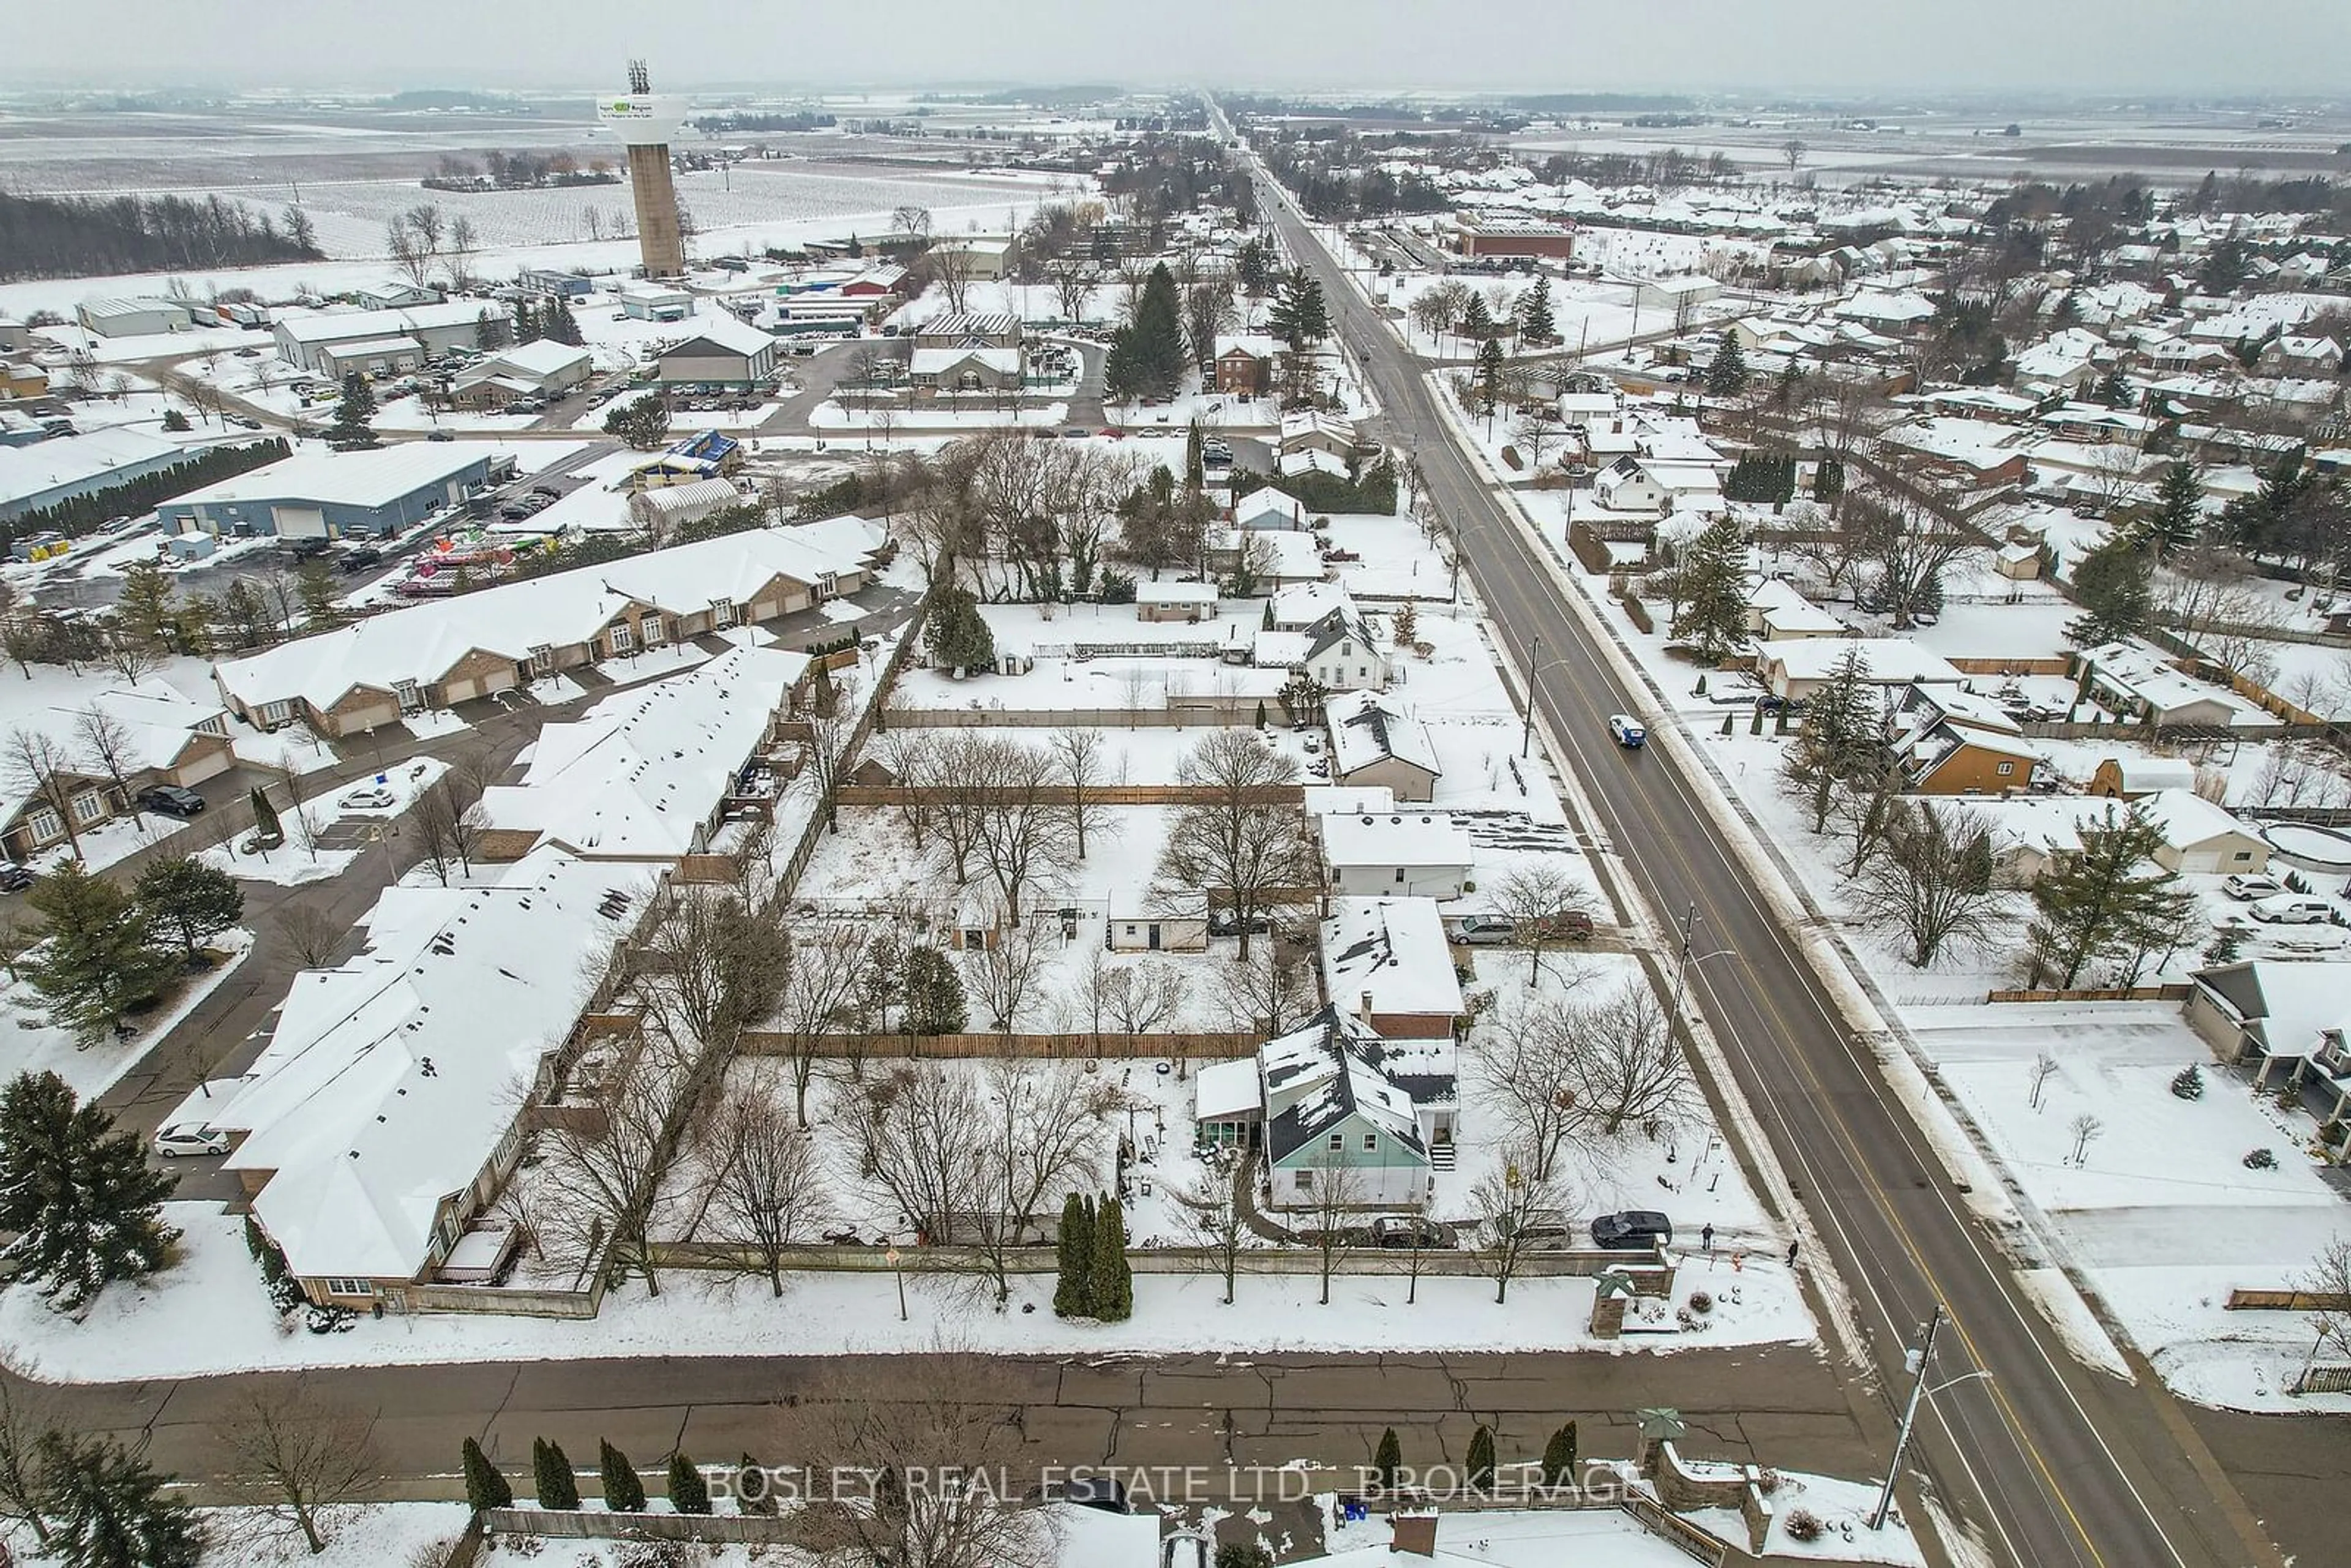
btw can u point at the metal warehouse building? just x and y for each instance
(314, 339)
(138, 318)
(336, 494)
(48, 472)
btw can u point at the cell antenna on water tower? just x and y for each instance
(644, 124)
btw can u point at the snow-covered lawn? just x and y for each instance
(2160, 1214)
(28, 1044)
(209, 1314)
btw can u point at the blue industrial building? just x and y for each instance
(323, 494)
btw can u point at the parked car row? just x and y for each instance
(1628, 1230)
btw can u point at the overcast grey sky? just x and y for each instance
(2093, 46)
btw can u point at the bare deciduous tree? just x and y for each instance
(2328, 1281)
(1263, 991)
(1628, 1067)
(42, 769)
(1243, 842)
(1540, 898)
(1025, 833)
(1003, 973)
(1072, 278)
(767, 1192)
(865, 1423)
(596, 1181)
(1080, 765)
(819, 997)
(1144, 998)
(108, 742)
(310, 933)
(1215, 1222)
(294, 1455)
(1936, 881)
(1510, 1202)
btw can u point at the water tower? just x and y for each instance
(644, 124)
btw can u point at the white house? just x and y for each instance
(1650, 485)
(1269, 509)
(1425, 854)
(1387, 961)
(1795, 670)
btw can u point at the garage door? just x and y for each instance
(300, 522)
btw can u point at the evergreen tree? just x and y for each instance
(192, 899)
(1713, 618)
(1146, 356)
(2115, 585)
(2177, 521)
(1477, 320)
(1253, 268)
(1114, 1277)
(552, 1471)
(753, 1492)
(2109, 902)
(1489, 375)
(175, 421)
(108, 1511)
(559, 324)
(624, 1490)
(322, 595)
(1387, 1460)
(1842, 735)
(2113, 389)
(1299, 316)
(642, 423)
(1196, 470)
(1727, 376)
(76, 1196)
(688, 1492)
(1481, 1459)
(1559, 1457)
(265, 825)
(354, 414)
(1536, 324)
(142, 609)
(94, 963)
(1074, 1280)
(528, 327)
(486, 1485)
(934, 999)
(1828, 479)
(958, 635)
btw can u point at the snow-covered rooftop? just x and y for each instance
(392, 1078)
(1393, 950)
(1368, 728)
(1400, 839)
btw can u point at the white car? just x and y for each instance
(2247, 887)
(2293, 909)
(374, 797)
(189, 1138)
(1629, 731)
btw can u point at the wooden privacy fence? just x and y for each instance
(2288, 1300)
(2176, 993)
(1062, 794)
(583, 1524)
(2039, 666)
(2324, 1380)
(1207, 1043)
(1207, 713)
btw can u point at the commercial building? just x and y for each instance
(984, 257)
(654, 301)
(1518, 237)
(63, 468)
(320, 494)
(444, 651)
(544, 369)
(310, 339)
(721, 352)
(133, 318)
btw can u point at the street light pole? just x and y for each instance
(1535, 669)
(1919, 1356)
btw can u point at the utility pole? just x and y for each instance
(1534, 667)
(1682, 964)
(1920, 1355)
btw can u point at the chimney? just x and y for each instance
(1364, 1011)
(1415, 1533)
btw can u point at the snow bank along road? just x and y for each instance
(2051, 1463)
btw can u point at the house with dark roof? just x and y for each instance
(1946, 741)
(1376, 739)
(1346, 1114)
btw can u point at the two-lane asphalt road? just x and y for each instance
(2047, 1463)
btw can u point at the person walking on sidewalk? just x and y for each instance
(1706, 1238)
(1793, 1247)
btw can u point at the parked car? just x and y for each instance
(15, 878)
(372, 797)
(2292, 909)
(1629, 731)
(1634, 1230)
(189, 1138)
(361, 558)
(172, 801)
(1488, 930)
(2248, 887)
(1225, 923)
(441, 435)
(1407, 1230)
(1544, 1229)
